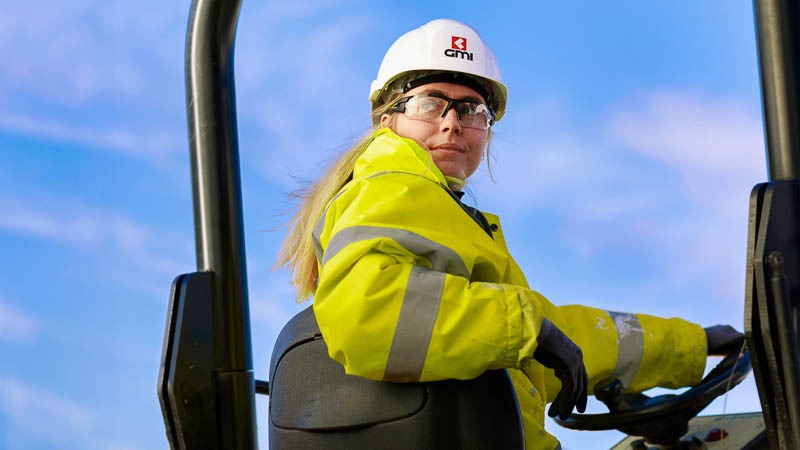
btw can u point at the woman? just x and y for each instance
(410, 284)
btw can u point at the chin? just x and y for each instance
(454, 173)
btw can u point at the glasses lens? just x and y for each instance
(425, 108)
(473, 115)
(431, 108)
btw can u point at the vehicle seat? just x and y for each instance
(314, 405)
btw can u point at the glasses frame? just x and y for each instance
(400, 106)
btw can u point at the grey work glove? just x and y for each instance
(722, 339)
(557, 351)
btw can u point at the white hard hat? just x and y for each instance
(440, 50)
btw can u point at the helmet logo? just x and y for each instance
(458, 43)
(458, 48)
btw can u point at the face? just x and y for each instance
(455, 150)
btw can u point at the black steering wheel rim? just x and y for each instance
(731, 371)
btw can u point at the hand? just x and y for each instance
(557, 351)
(722, 339)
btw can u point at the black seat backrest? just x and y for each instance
(313, 404)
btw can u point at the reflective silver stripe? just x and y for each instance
(631, 346)
(415, 325)
(317, 234)
(422, 296)
(320, 226)
(443, 259)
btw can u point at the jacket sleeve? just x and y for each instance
(395, 301)
(641, 351)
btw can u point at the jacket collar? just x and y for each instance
(389, 152)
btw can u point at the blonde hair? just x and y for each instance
(297, 250)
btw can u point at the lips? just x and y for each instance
(448, 148)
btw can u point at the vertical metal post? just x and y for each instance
(211, 109)
(773, 263)
(777, 24)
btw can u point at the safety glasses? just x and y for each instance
(433, 107)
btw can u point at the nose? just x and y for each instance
(450, 122)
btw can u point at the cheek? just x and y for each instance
(478, 148)
(476, 155)
(412, 129)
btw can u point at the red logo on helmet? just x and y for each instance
(458, 48)
(458, 43)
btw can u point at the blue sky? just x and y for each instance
(623, 168)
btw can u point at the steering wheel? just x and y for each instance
(663, 419)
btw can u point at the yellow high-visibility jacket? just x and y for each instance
(411, 289)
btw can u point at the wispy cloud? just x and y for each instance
(95, 50)
(78, 225)
(80, 231)
(302, 87)
(714, 145)
(119, 446)
(156, 144)
(90, 229)
(95, 76)
(126, 60)
(16, 325)
(282, 11)
(29, 408)
(44, 416)
(693, 131)
(714, 149)
(680, 135)
(558, 164)
(290, 44)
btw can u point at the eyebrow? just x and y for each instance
(470, 98)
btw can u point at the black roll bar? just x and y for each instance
(207, 385)
(778, 37)
(219, 230)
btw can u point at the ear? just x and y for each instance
(385, 120)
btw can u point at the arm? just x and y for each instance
(640, 350)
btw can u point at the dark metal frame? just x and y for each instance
(207, 384)
(778, 38)
(772, 313)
